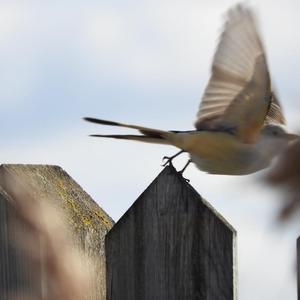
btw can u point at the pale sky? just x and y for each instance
(143, 62)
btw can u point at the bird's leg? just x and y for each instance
(170, 158)
(185, 166)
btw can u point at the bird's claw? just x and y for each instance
(168, 161)
(170, 158)
(183, 169)
(181, 173)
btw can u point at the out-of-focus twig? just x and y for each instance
(286, 175)
(59, 269)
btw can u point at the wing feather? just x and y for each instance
(238, 93)
(275, 114)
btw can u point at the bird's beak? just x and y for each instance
(292, 136)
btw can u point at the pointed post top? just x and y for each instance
(170, 181)
(171, 244)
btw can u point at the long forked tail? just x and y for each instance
(132, 137)
(150, 135)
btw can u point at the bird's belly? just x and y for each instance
(224, 154)
(227, 166)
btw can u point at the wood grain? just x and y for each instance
(171, 244)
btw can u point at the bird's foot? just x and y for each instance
(168, 161)
(183, 169)
(170, 158)
(186, 179)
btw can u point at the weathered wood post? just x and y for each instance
(86, 222)
(298, 267)
(171, 244)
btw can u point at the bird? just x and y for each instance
(239, 126)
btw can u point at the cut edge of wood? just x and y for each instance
(170, 169)
(173, 171)
(98, 212)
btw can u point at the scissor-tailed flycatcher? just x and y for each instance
(238, 126)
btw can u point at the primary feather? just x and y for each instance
(238, 94)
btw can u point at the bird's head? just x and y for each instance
(276, 138)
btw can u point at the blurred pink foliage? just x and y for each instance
(286, 176)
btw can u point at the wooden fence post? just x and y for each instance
(298, 267)
(171, 244)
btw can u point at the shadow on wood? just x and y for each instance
(171, 244)
(86, 223)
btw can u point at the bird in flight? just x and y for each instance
(239, 122)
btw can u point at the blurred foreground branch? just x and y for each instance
(286, 175)
(51, 235)
(55, 266)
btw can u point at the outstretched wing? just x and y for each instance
(238, 93)
(275, 114)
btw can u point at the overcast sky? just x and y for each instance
(144, 62)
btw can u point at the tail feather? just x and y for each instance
(150, 135)
(103, 122)
(155, 133)
(139, 138)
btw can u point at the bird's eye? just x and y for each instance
(275, 133)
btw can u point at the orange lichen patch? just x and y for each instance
(52, 182)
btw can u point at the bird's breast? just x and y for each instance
(223, 153)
